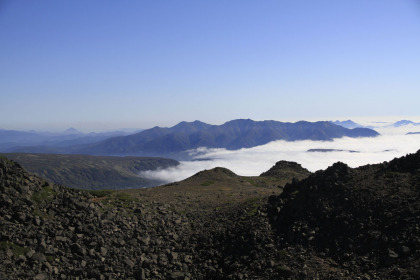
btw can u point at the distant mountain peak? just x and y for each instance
(232, 135)
(71, 130)
(194, 123)
(404, 122)
(189, 127)
(347, 124)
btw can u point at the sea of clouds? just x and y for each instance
(393, 142)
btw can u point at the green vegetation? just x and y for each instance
(40, 213)
(45, 195)
(207, 183)
(124, 197)
(282, 269)
(267, 181)
(253, 211)
(50, 258)
(92, 172)
(393, 174)
(252, 207)
(282, 254)
(16, 249)
(295, 192)
(101, 193)
(251, 181)
(118, 199)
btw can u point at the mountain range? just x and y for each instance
(232, 135)
(12, 140)
(177, 140)
(352, 124)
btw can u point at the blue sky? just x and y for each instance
(101, 65)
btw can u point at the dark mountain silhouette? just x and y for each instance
(232, 135)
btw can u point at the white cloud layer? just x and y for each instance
(392, 143)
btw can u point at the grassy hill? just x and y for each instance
(92, 172)
(212, 189)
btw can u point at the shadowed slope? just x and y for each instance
(368, 214)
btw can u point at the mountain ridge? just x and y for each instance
(232, 135)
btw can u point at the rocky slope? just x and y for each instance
(365, 219)
(52, 232)
(340, 223)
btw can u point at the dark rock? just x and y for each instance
(177, 275)
(39, 257)
(41, 276)
(391, 257)
(129, 262)
(103, 251)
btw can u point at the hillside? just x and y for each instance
(92, 172)
(338, 223)
(232, 135)
(49, 231)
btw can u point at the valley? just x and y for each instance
(93, 172)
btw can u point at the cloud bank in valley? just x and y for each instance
(251, 162)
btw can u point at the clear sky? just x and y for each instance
(100, 65)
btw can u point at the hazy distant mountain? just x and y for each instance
(347, 124)
(404, 122)
(9, 138)
(232, 135)
(72, 130)
(35, 141)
